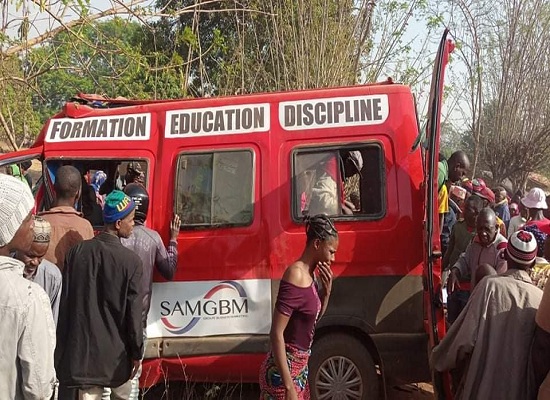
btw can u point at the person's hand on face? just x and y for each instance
(325, 274)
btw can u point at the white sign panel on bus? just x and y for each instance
(334, 112)
(111, 128)
(210, 308)
(224, 120)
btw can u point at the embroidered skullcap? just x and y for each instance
(42, 230)
(522, 247)
(16, 203)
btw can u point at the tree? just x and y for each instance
(470, 20)
(502, 47)
(107, 61)
(263, 46)
(516, 121)
(18, 121)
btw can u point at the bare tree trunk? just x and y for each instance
(9, 134)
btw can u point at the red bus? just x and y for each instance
(240, 172)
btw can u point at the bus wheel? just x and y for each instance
(342, 368)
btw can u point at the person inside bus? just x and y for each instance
(328, 195)
(15, 171)
(301, 301)
(352, 166)
(98, 178)
(91, 208)
(324, 194)
(134, 174)
(114, 180)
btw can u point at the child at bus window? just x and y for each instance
(25, 166)
(299, 306)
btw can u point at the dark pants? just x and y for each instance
(456, 303)
(66, 393)
(540, 355)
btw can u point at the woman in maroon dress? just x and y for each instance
(300, 303)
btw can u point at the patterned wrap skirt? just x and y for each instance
(271, 382)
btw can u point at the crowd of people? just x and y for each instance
(74, 305)
(495, 265)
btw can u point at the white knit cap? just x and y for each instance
(16, 202)
(522, 247)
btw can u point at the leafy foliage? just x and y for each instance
(107, 59)
(18, 121)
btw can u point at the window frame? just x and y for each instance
(198, 227)
(294, 209)
(48, 183)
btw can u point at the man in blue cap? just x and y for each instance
(99, 335)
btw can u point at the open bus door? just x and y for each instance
(432, 247)
(18, 157)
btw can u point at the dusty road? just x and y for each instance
(416, 391)
(420, 391)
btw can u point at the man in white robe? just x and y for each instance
(493, 333)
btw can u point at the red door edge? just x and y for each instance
(21, 155)
(432, 247)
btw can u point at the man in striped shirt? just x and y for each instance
(148, 245)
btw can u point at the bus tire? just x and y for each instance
(341, 367)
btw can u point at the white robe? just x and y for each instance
(495, 330)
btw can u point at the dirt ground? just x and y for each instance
(416, 391)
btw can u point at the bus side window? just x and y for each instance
(215, 189)
(340, 182)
